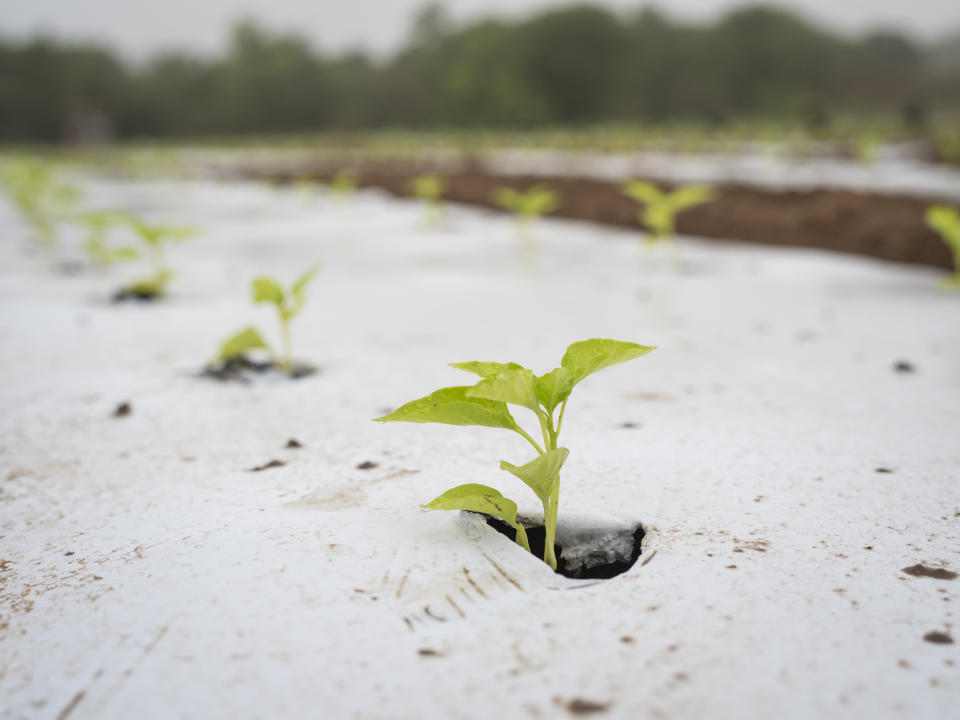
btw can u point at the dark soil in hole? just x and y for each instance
(242, 369)
(583, 553)
(130, 295)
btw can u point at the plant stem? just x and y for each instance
(550, 507)
(529, 439)
(286, 359)
(560, 419)
(550, 525)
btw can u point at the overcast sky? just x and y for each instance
(139, 29)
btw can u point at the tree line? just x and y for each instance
(575, 65)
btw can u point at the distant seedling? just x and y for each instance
(98, 226)
(946, 221)
(485, 404)
(660, 208)
(429, 189)
(343, 184)
(232, 356)
(42, 199)
(155, 239)
(526, 206)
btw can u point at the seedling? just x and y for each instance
(344, 183)
(429, 188)
(867, 150)
(661, 208)
(946, 221)
(42, 199)
(526, 206)
(155, 238)
(98, 226)
(288, 304)
(485, 404)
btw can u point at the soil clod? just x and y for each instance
(122, 410)
(267, 466)
(938, 638)
(920, 570)
(579, 706)
(367, 465)
(293, 444)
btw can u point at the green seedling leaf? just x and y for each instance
(688, 196)
(643, 192)
(946, 221)
(554, 387)
(587, 356)
(428, 187)
(154, 286)
(481, 499)
(660, 208)
(486, 369)
(298, 293)
(267, 290)
(542, 474)
(452, 406)
(240, 343)
(534, 202)
(343, 183)
(509, 386)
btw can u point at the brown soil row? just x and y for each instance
(882, 226)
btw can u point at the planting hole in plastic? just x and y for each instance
(598, 553)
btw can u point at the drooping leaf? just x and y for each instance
(483, 499)
(241, 342)
(486, 369)
(688, 196)
(587, 356)
(476, 498)
(267, 290)
(452, 406)
(509, 386)
(554, 387)
(541, 474)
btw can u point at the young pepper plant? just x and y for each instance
(485, 404)
(41, 197)
(526, 206)
(946, 221)
(155, 239)
(429, 189)
(660, 208)
(288, 304)
(98, 225)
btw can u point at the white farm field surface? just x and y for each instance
(790, 447)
